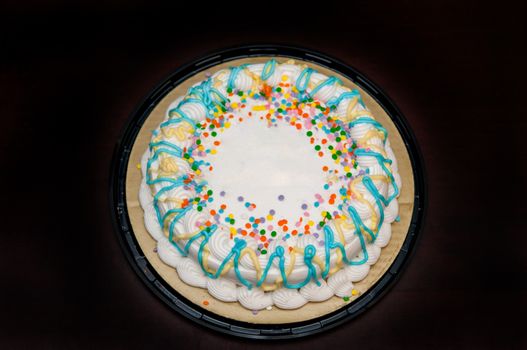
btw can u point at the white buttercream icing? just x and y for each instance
(167, 253)
(314, 292)
(285, 298)
(190, 273)
(340, 283)
(357, 273)
(151, 223)
(384, 235)
(222, 289)
(254, 299)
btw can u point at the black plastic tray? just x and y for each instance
(202, 316)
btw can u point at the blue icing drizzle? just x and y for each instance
(209, 95)
(381, 160)
(183, 117)
(180, 213)
(205, 233)
(268, 69)
(233, 75)
(194, 100)
(173, 152)
(327, 82)
(331, 244)
(278, 253)
(303, 79)
(309, 254)
(239, 244)
(335, 101)
(367, 120)
(171, 148)
(210, 98)
(158, 194)
(368, 183)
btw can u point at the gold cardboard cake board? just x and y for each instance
(234, 310)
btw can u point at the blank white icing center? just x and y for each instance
(261, 164)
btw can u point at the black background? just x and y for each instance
(70, 76)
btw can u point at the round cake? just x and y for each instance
(270, 184)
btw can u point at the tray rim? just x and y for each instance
(156, 284)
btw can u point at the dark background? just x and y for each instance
(70, 76)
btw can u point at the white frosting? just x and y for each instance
(340, 283)
(220, 245)
(190, 273)
(261, 163)
(266, 157)
(167, 253)
(314, 292)
(374, 253)
(151, 223)
(194, 110)
(254, 299)
(144, 161)
(384, 235)
(285, 298)
(391, 212)
(222, 289)
(357, 273)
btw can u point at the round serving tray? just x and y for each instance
(220, 318)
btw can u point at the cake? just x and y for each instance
(270, 184)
